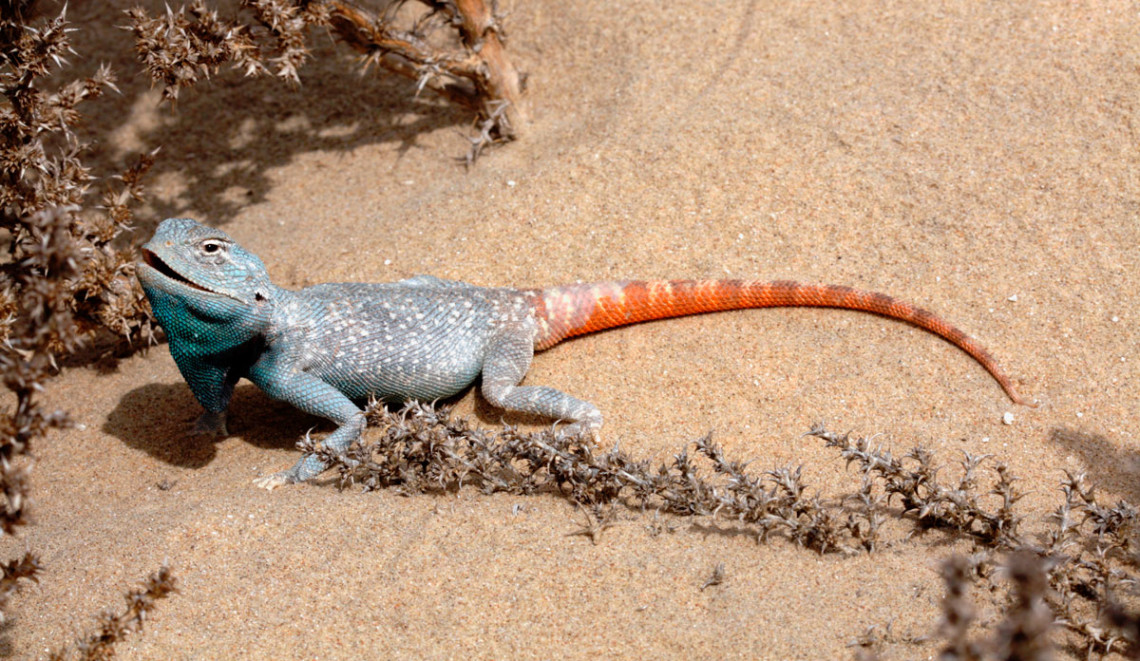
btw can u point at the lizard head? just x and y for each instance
(190, 261)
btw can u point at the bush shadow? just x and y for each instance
(1109, 464)
(223, 137)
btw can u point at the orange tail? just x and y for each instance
(571, 310)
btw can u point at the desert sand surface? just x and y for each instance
(977, 159)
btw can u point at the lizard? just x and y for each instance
(328, 347)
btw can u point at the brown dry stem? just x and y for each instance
(469, 67)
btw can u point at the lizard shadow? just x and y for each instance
(157, 418)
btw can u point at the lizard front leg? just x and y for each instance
(507, 360)
(314, 396)
(212, 380)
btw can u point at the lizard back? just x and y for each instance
(570, 310)
(422, 338)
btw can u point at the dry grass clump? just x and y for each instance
(452, 48)
(1076, 578)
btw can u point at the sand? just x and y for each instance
(977, 159)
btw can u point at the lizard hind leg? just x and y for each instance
(504, 366)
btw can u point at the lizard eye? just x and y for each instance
(211, 247)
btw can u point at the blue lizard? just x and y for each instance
(328, 347)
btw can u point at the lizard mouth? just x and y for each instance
(152, 260)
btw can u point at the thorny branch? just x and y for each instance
(1088, 561)
(468, 66)
(115, 627)
(62, 279)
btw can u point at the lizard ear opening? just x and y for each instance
(259, 297)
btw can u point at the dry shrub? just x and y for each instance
(453, 49)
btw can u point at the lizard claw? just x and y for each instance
(271, 482)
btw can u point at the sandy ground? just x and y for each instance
(977, 159)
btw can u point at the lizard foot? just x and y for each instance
(585, 431)
(271, 482)
(210, 424)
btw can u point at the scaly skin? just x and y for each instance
(326, 348)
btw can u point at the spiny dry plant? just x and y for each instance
(454, 49)
(1080, 578)
(62, 278)
(912, 479)
(1088, 554)
(115, 627)
(421, 448)
(958, 611)
(1023, 633)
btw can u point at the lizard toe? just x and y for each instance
(583, 430)
(271, 482)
